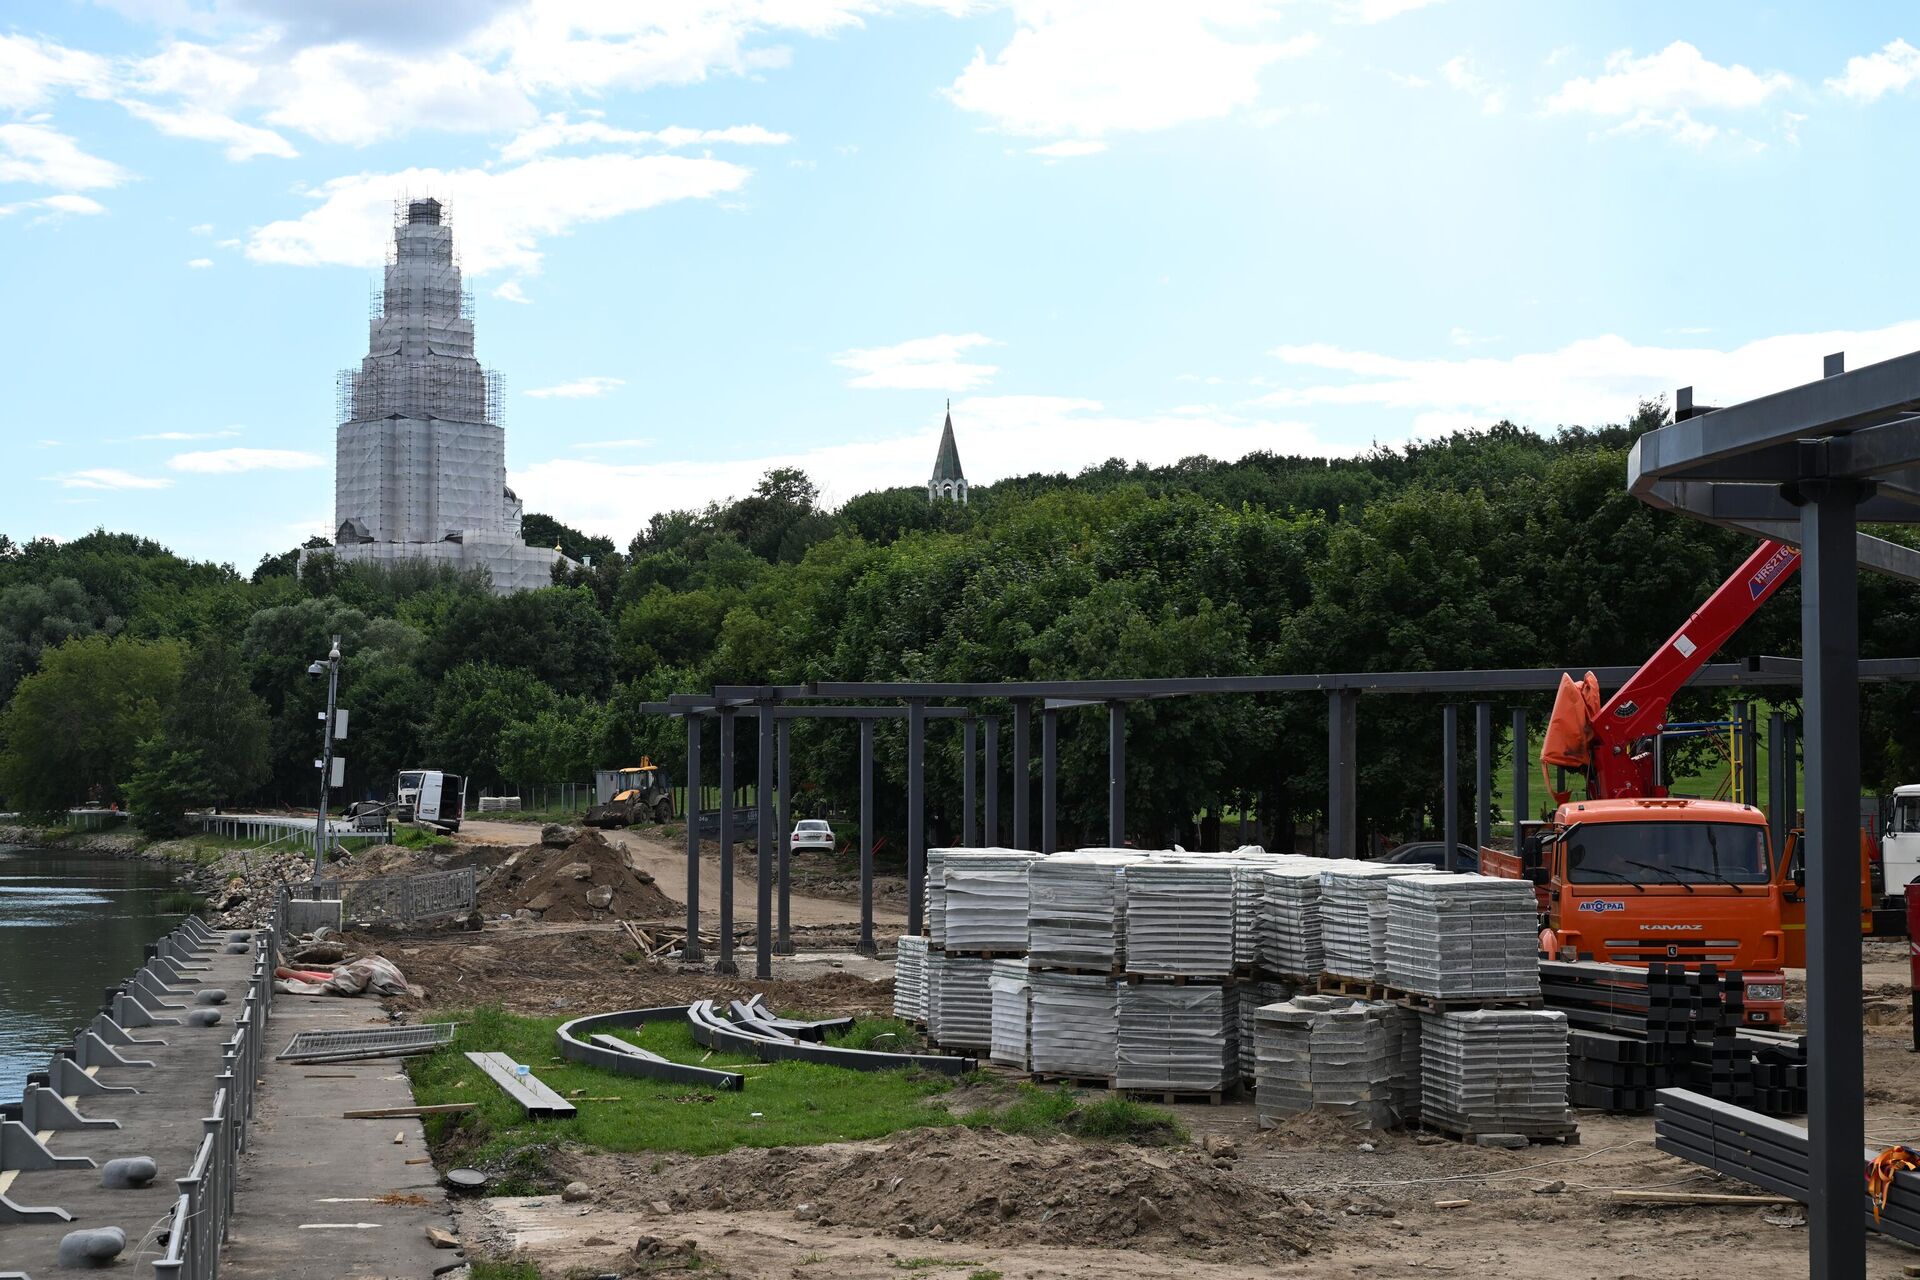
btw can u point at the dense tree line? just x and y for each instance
(129, 673)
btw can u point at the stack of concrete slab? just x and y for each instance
(1327, 1053)
(1289, 934)
(1180, 918)
(1403, 1047)
(1462, 937)
(1076, 916)
(1495, 1071)
(1353, 917)
(1012, 1013)
(959, 1002)
(1251, 997)
(910, 979)
(1177, 1038)
(934, 895)
(985, 900)
(1075, 1024)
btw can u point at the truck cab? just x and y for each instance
(1660, 879)
(431, 797)
(1900, 843)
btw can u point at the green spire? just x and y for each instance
(946, 465)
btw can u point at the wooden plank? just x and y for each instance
(390, 1113)
(534, 1097)
(1699, 1197)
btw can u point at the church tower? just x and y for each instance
(949, 481)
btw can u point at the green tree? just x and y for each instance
(217, 720)
(473, 708)
(166, 783)
(73, 727)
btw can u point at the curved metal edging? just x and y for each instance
(632, 1064)
(716, 1033)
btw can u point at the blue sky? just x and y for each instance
(706, 237)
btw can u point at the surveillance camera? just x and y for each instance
(317, 669)
(333, 656)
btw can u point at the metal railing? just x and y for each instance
(268, 830)
(399, 898)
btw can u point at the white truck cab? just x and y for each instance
(429, 796)
(1900, 845)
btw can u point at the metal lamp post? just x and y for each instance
(331, 666)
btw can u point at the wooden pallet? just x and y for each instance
(984, 955)
(1081, 970)
(1075, 1082)
(1434, 1004)
(1567, 1137)
(1335, 985)
(1179, 979)
(1173, 1097)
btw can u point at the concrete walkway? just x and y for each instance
(319, 1197)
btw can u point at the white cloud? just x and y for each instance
(1068, 147)
(1678, 125)
(199, 264)
(635, 442)
(32, 70)
(1459, 74)
(590, 388)
(1087, 68)
(55, 206)
(224, 462)
(243, 141)
(1382, 10)
(42, 155)
(110, 478)
(510, 291)
(922, 364)
(999, 436)
(189, 435)
(1675, 79)
(201, 229)
(1889, 70)
(346, 94)
(558, 131)
(1593, 380)
(503, 213)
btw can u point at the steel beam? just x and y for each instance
(865, 945)
(916, 814)
(1022, 771)
(1483, 774)
(969, 833)
(782, 930)
(1116, 775)
(1450, 785)
(1343, 830)
(1522, 749)
(1049, 779)
(725, 964)
(691, 950)
(1830, 643)
(990, 807)
(1777, 763)
(763, 848)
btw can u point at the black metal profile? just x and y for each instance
(715, 1032)
(572, 1039)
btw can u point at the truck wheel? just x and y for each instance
(663, 811)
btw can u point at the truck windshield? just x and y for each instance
(1906, 814)
(409, 782)
(1671, 852)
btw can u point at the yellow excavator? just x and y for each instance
(641, 793)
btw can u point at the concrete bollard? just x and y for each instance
(210, 995)
(242, 936)
(128, 1173)
(92, 1248)
(203, 1017)
(237, 948)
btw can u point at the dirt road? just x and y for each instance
(667, 864)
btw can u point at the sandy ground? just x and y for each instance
(667, 864)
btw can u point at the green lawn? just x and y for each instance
(783, 1104)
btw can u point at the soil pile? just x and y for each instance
(587, 879)
(979, 1186)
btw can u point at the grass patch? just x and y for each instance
(484, 1270)
(419, 838)
(797, 1103)
(984, 1273)
(1033, 1111)
(883, 1035)
(1124, 1120)
(181, 902)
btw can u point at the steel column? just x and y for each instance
(1116, 775)
(763, 849)
(1022, 782)
(1049, 779)
(1830, 649)
(1343, 707)
(865, 945)
(725, 964)
(1483, 774)
(691, 949)
(1791, 776)
(916, 813)
(969, 832)
(1778, 820)
(1522, 748)
(783, 840)
(990, 776)
(1750, 725)
(1450, 786)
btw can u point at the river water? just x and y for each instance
(71, 925)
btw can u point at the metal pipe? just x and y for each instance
(1342, 728)
(1049, 779)
(969, 832)
(783, 936)
(916, 814)
(724, 964)
(1450, 785)
(763, 849)
(1116, 775)
(1022, 782)
(332, 663)
(1483, 774)
(1522, 747)
(990, 805)
(1830, 645)
(1750, 725)
(1777, 820)
(866, 946)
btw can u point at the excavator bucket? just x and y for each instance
(1570, 734)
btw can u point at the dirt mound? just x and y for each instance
(588, 879)
(980, 1186)
(398, 860)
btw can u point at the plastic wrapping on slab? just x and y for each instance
(1495, 1071)
(1077, 909)
(984, 895)
(910, 979)
(1177, 1038)
(1012, 1013)
(1180, 917)
(959, 1001)
(1463, 937)
(1074, 1023)
(1353, 917)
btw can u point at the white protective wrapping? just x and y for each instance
(910, 979)
(1495, 1071)
(1180, 1038)
(1074, 1024)
(1012, 1013)
(1077, 909)
(1463, 937)
(984, 896)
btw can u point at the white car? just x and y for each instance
(811, 833)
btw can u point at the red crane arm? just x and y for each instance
(1639, 708)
